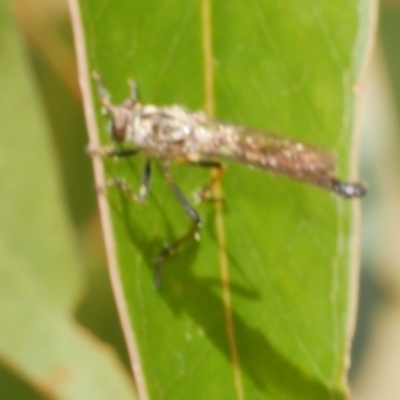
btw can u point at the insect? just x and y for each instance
(173, 134)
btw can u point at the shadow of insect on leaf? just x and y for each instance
(183, 292)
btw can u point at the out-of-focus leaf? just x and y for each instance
(39, 277)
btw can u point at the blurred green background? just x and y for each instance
(47, 38)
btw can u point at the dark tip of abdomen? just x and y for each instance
(349, 189)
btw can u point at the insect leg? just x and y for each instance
(208, 164)
(133, 90)
(104, 95)
(110, 151)
(168, 250)
(145, 182)
(205, 192)
(143, 188)
(121, 152)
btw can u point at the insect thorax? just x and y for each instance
(171, 132)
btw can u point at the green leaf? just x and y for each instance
(40, 280)
(261, 306)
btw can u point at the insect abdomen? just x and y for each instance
(274, 153)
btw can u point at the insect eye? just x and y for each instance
(118, 126)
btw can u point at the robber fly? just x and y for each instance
(174, 134)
